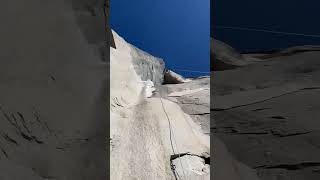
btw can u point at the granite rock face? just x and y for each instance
(224, 57)
(151, 136)
(193, 98)
(148, 66)
(266, 114)
(52, 121)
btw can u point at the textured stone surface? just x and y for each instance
(147, 132)
(193, 98)
(148, 66)
(267, 114)
(53, 87)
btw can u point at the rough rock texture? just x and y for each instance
(266, 114)
(193, 98)
(148, 66)
(151, 137)
(52, 90)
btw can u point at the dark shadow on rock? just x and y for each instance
(53, 90)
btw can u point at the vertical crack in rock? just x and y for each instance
(298, 166)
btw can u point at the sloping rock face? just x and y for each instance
(266, 114)
(224, 57)
(148, 66)
(193, 98)
(171, 77)
(151, 136)
(52, 90)
(290, 51)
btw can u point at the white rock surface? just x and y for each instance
(149, 88)
(146, 131)
(192, 166)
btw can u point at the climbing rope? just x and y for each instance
(172, 135)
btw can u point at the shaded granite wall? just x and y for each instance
(53, 90)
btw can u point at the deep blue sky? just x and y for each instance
(176, 30)
(298, 16)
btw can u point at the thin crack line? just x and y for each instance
(274, 97)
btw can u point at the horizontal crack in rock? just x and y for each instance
(277, 117)
(175, 156)
(277, 134)
(260, 109)
(264, 100)
(199, 114)
(291, 134)
(298, 166)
